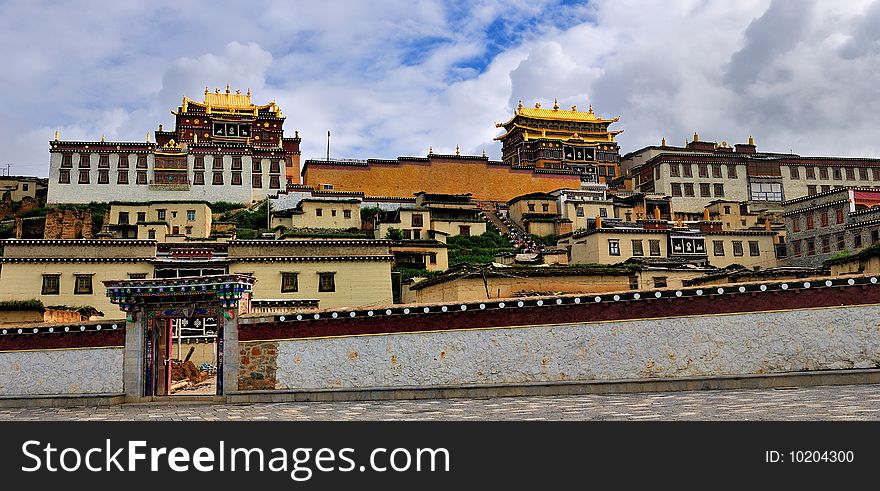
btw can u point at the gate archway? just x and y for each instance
(155, 310)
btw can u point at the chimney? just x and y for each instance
(748, 148)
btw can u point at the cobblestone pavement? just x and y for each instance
(856, 402)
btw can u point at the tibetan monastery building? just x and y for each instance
(224, 148)
(543, 150)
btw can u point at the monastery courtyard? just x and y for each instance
(853, 402)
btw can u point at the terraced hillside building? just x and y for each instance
(224, 148)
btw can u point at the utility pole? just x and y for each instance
(328, 145)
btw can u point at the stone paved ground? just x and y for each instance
(856, 402)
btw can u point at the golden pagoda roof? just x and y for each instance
(227, 101)
(558, 114)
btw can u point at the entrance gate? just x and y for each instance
(155, 311)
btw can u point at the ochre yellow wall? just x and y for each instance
(450, 176)
(767, 259)
(451, 227)
(473, 289)
(593, 248)
(310, 219)
(24, 281)
(201, 226)
(541, 228)
(358, 283)
(521, 207)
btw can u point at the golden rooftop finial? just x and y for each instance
(102, 136)
(696, 136)
(520, 104)
(751, 140)
(216, 91)
(227, 88)
(457, 150)
(148, 137)
(484, 151)
(591, 109)
(574, 108)
(663, 142)
(237, 91)
(206, 91)
(537, 105)
(555, 104)
(56, 135)
(430, 150)
(249, 91)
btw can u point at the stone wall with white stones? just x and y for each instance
(61, 372)
(687, 346)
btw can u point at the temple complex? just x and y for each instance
(561, 139)
(224, 148)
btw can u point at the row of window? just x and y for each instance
(141, 178)
(807, 247)
(686, 170)
(141, 163)
(603, 212)
(706, 189)
(824, 218)
(717, 247)
(637, 247)
(161, 214)
(545, 207)
(290, 282)
(319, 212)
(82, 284)
(837, 173)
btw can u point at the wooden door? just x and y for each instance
(162, 360)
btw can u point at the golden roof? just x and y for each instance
(558, 114)
(228, 101)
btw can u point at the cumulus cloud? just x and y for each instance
(392, 78)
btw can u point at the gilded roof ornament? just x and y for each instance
(574, 109)
(696, 137)
(430, 150)
(148, 137)
(537, 105)
(520, 104)
(591, 109)
(484, 151)
(751, 140)
(102, 137)
(457, 150)
(206, 91)
(555, 104)
(663, 142)
(227, 88)
(56, 135)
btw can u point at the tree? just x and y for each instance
(394, 234)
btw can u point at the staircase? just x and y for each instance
(517, 237)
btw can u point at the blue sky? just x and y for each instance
(392, 78)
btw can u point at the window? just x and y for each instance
(123, 161)
(766, 191)
(863, 173)
(257, 181)
(218, 179)
(810, 221)
(674, 170)
(579, 211)
(823, 172)
(346, 214)
(531, 206)
(199, 162)
(737, 248)
(274, 182)
(85, 161)
(432, 257)
(838, 175)
(417, 220)
(602, 170)
(64, 176)
(633, 282)
(464, 230)
(137, 276)
(274, 166)
(103, 176)
(257, 166)
(811, 190)
(545, 207)
(826, 188)
(719, 190)
(823, 218)
(826, 243)
(123, 218)
(190, 215)
(83, 285)
(289, 282)
(236, 163)
(657, 172)
(811, 172)
(610, 171)
(841, 245)
(654, 246)
(727, 210)
(66, 160)
(326, 282)
(796, 223)
(754, 249)
(811, 247)
(660, 282)
(217, 163)
(875, 237)
(731, 171)
(796, 246)
(716, 171)
(676, 189)
(704, 189)
(793, 171)
(603, 212)
(151, 234)
(175, 230)
(850, 173)
(876, 173)
(718, 246)
(688, 189)
(637, 247)
(104, 161)
(686, 170)
(332, 213)
(407, 234)
(141, 162)
(160, 214)
(122, 177)
(141, 177)
(51, 284)
(614, 247)
(857, 239)
(236, 179)
(703, 170)
(84, 176)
